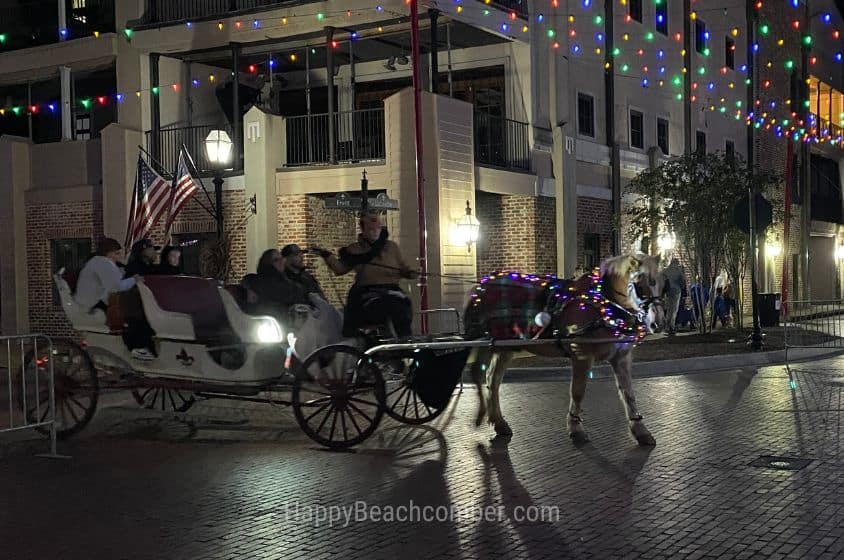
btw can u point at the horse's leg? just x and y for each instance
(622, 363)
(496, 376)
(579, 370)
(480, 360)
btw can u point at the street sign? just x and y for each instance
(353, 203)
(363, 202)
(764, 214)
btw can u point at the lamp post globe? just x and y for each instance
(218, 150)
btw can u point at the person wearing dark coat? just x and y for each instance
(294, 268)
(274, 292)
(170, 262)
(141, 259)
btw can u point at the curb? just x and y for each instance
(682, 366)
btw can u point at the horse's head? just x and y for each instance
(635, 282)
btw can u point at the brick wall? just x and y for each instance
(304, 220)
(517, 233)
(45, 222)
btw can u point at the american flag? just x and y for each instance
(150, 202)
(185, 188)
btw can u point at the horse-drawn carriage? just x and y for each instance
(209, 347)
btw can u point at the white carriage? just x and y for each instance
(207, 346)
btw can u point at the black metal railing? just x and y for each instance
(358, 136)
(520, 7)
(501, 142)
(170, 11)
(36, 22)
(826, 128)
(170, 139)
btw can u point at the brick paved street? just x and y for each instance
(225, 481)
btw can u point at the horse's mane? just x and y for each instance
(617, 266)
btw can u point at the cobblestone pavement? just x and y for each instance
(233, 480)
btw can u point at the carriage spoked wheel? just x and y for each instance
(76, 387)
(337, 396)
(163, 399)
(401, 401)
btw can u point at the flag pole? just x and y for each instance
(175, 178)
(420, 173)
(130, 225)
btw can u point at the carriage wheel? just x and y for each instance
(337, 396)
(76, 387)
(165, 400)
(401, 402)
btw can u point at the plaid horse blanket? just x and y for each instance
(505, 304)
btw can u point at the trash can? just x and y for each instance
(769, 310)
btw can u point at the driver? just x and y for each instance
(375, 295)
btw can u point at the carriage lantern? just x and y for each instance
(467, 229)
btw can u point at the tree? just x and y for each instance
(693, 196)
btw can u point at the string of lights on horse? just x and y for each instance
(622, 323)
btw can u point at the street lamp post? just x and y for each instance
(218, 148)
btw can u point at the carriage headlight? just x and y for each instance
(269, 331)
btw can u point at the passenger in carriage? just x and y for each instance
(101, 277)
(274, 292)
(170, 262)
(142, 258)
(294, 268)
(375, 296)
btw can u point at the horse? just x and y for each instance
(597, 317)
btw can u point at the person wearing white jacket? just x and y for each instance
(101, 277)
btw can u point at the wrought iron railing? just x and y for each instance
(824, 128)
(171, 11)
(170, 139)
(36, 22)
(520, 7)
(501, 142)
(358, 136)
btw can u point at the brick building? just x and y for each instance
(535, 113)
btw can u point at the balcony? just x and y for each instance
(36, 23)
(172, 138)
(359, 136)
(501, 142)
(827, 131)
(520, 7)
(160, 12)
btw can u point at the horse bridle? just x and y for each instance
(644, 303)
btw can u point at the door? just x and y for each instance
(821, 263)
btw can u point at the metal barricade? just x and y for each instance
(813, 324)
(25, 382)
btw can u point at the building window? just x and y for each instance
(193, 246)
(662, 135)
(70, 254)
(700, 142)
(591, 251)
(730, 53)
(662, 16)
(585, 114)
(83, 127)
(635, 9)
(730, 150)
(637, 129)
(701, 36)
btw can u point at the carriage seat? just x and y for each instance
(82, 319)
(184, 308)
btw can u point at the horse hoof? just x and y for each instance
(503, 429)
(579, 438)
(644, 439)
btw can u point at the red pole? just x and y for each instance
(420, 172)
(789, 170)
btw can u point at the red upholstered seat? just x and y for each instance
(197, 297)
